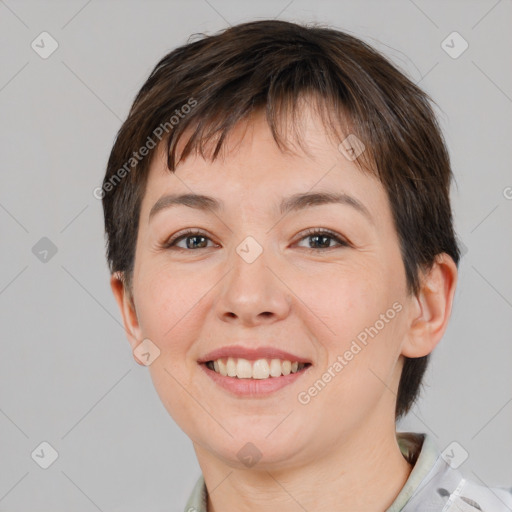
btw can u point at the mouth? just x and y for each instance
(253, 372)
(259, 369)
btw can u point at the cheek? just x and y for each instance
(346, 297)
(366, 318)
(360, 310)
(169, 301)
(170, 314)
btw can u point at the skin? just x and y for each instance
(339, 451)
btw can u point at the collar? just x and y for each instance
(418, 449)
(435, 483)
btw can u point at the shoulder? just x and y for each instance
(441, 487)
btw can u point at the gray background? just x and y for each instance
(67, 374)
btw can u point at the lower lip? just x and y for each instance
(253, 387)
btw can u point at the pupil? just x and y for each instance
(316, 237)
(189, 246)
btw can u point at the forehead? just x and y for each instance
(252, 170)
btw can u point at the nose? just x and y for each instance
(252, 293)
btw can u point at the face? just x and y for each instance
(264, 279)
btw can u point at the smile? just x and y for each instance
(259, 369)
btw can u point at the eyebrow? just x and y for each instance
(289, 204)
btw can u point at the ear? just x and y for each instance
(431, 308)
(126, 305)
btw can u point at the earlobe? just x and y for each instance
(433, 305)
(126, 306)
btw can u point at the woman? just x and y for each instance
(282, 251)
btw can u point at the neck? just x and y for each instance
(365, 472)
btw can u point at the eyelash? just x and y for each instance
(171, 243)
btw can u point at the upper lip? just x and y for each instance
(252, 354)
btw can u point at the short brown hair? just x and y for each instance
(269, 66)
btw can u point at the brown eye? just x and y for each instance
(322, 239)
(193, 240)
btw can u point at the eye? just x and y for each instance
(322, 238)
(198, 239)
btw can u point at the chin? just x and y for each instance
(249, 449)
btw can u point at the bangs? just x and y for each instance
(284, 96)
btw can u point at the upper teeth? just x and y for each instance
(259, 369)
